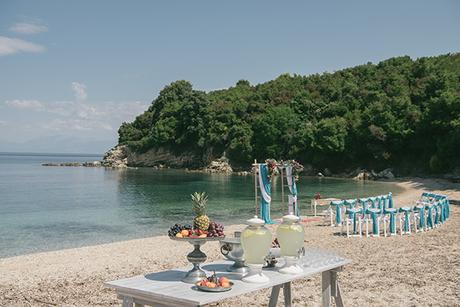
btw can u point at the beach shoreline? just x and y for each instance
(409, 270)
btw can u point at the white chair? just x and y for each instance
(405, 220)
(389, 218)
(419, 218)
(372, 216)
(353, 219)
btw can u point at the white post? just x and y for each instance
(255, 185)
(282, 187)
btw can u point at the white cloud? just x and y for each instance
(76, 118)
(79, 91)
(15, 45)
(24, 104)
(28, 27)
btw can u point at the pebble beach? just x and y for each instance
(421, 269)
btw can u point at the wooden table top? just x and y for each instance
(166, 287)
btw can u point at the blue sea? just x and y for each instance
(48, 208)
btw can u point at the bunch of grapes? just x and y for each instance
(215, 230)
(176, 228)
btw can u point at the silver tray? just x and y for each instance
(218, 289)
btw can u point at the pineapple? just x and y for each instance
(201, 220)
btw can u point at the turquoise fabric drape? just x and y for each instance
(390, 200)
(429, 219)
(374, 212)
(406, 211)
(338, 211)
(382, 204)
(421, 211)
(372, 200)
(392, 213)
(292, 189)
(446, 200)
(442, 212)
(264, 202)
(364, 205)
(349, 203)
(352, 214)
(437, 209)
(446, 205)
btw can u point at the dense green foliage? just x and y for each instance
(399, 113)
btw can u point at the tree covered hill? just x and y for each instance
(399, 113)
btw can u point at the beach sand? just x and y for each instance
(418, 270)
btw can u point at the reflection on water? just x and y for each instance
(46, 208)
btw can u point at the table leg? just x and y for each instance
(274, 296)
(326, 288)
(287, 294)
(127, 301)
(335, 289)
(330, 288)
(338, 298)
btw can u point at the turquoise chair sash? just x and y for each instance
(349, 202)
(364, 204)
(373, 200)
(374, 212)
(437, 215)
(338, 211)
(392, 212)
(429, 219)
(406, 211)
(352, 214)
(421, 210)
(381, 204)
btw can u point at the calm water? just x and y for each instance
(48, 208)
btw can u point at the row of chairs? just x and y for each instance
(378, 212)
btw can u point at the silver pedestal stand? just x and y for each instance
(196, 257)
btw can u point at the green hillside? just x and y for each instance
(399, 113)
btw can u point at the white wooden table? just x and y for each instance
(165, 288)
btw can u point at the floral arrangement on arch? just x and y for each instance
(297, 168)
(317, 196)
(272, 166)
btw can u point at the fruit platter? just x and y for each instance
(203, 227)
(202, 231)
(214, 230)
(214, 284)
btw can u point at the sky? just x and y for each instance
(72, 71)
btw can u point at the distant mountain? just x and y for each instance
(58, 144)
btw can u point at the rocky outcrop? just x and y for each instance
(385, 174)
(243, 173)
(363, 175)
(220, 166)
(165, 157)
(116, 157)
(76, 164)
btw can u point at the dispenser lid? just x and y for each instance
(255, 221)
(290, 218)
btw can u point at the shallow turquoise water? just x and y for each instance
(48, 208)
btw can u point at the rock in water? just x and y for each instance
(116, 157)
(219, 166)
(363, 175)
(386, 174)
